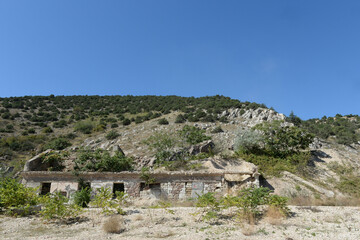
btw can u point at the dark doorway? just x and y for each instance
(45, 188)
(118, 187)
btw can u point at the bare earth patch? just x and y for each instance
(318, 222)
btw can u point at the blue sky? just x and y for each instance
(292, 55)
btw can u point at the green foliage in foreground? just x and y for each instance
(82, 197)
(247, 204)
(104, 200)
(55, 206)
(14, 195)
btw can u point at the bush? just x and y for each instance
(82, 197)
(85, 127)
(163, 144)
(47, 130)
(180, 119)
(101, 161)
(112, 135)
(55, 206)
(247, 203)
(58, 144)
(193, 135)
(54, 160)
(15, 196)
(248, 141)
(114, 224)
(126, 122)
(104, 200)
(163, 121)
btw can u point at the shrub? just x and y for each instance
(163, 121)
(55, 206)
(14, 196)
(126, 122)
(180, 119)
(114, 224)
(193, 135)
(60, 124)
(104, 200)
(100, 160)
(112, 135)
(248, 140)
(85, 127)
(54, 160)
(114, 125)
(146, 176)
(58, 144)
(47, 130)
(163, 144)
(82, 197)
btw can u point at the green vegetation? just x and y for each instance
(163, 121)
(146, 176)
(101, 160)
(169, 149)
(349, 181)
(343, 129)
(54, 161)
(82, 197)
(112, 135)
(55, 206)
(247, 204)
(275, 148)
(15, 196)
(193, 135)
(104, 200)
(57, 144)
(85, 127)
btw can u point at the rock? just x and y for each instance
(35, 163)
(204, 147)
(114, 149)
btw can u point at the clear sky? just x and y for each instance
(292, 55)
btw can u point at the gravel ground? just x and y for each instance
(316, 222)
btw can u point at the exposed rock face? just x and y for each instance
(252, 117)
(204, 147)
(36, 164)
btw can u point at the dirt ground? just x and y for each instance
(146, 223)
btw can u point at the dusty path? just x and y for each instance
(307, 223)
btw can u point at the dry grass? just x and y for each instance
(114, 224)
(274, 216)
(308, 201)
(248, 229)
(138, 218)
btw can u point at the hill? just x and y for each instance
(137, 125)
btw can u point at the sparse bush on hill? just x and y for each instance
(163, 121)
(112, 135)
(85, 127)
(193, 135)
(101, 160)
(275, 148)
(57, 144)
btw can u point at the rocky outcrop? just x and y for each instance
(36, 164)
(204, 147)
(251, 117)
